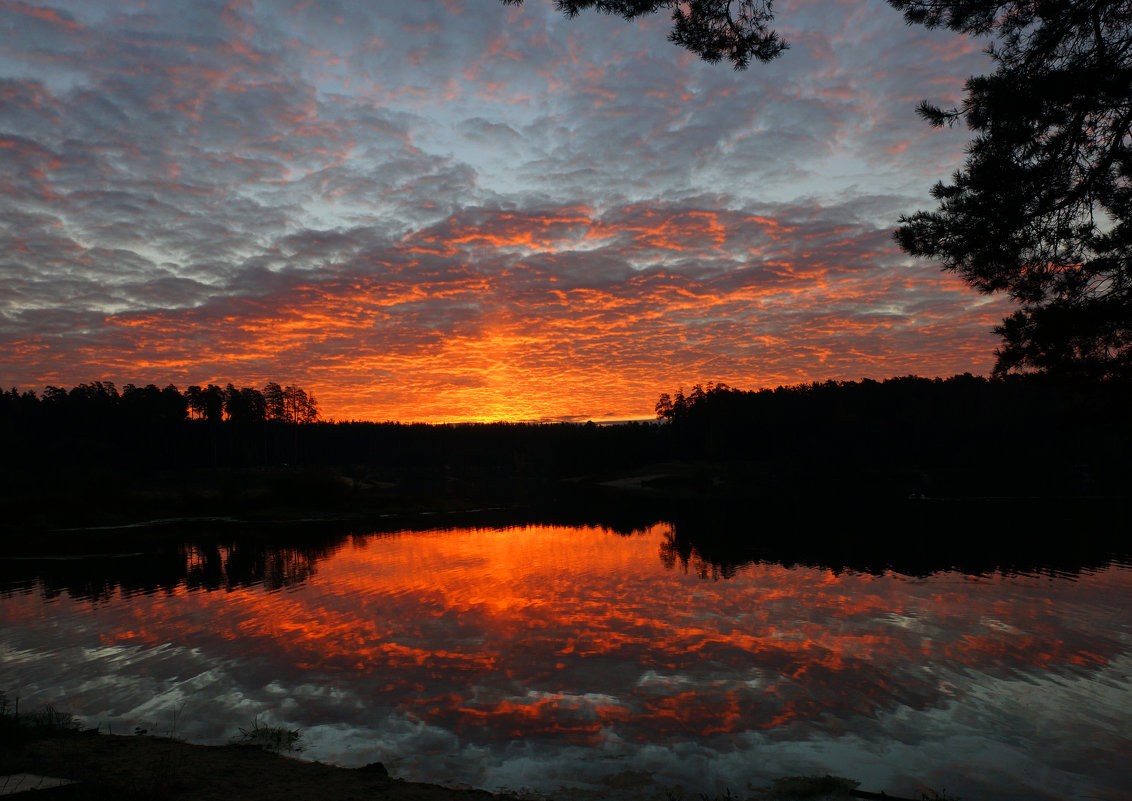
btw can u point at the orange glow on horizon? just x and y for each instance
(493, 317)
(577, 354)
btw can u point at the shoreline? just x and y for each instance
(93, 765)
(132, 767)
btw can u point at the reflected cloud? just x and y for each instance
(575, 641)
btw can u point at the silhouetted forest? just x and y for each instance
(100, 403)
(965, 435)
(94, 453)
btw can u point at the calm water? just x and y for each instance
(563, 657)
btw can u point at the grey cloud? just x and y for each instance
(574, 269)
(492, 133)
(167, 291)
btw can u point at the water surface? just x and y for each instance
(547, 657)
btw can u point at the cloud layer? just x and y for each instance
(453, 211)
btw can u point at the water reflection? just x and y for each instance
(548, 655)
(914, 537)
(714, 543)
(203, 565)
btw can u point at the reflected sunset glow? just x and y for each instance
(580, 638)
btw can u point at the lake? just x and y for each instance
(579, 659)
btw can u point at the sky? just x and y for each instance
(443, 211)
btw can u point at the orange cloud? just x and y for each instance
(563, 313)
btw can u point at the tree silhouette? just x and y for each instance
(298, 406)
(212, 399)
(1042, 209)
(244, 405)
(150, 404)
(99, 404)
(311, 413)
(174, 406)
(274, 403)
(194, 396)
(679, 406)
(736, 30)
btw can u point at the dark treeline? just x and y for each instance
(211, 450)
(95, 427)
(1017, 435)
(100, 403)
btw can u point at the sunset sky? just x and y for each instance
(446, 210)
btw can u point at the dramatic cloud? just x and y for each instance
(447, 211)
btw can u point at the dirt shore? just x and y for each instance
(127, 768)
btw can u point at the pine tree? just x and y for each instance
(737, 30)
(1042, 208)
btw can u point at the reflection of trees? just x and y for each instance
(675, 550)
(245, 555)
(215, 567)
(202, 565)
(914, 537)
(93, 578)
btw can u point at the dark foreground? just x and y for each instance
(138, 768)
(142, 767)
(1019, 445)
